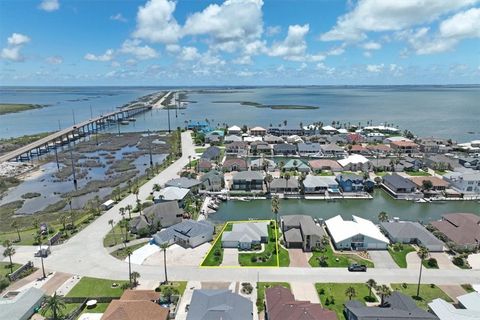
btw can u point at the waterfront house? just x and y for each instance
(308, 149)
(404, 147)
(469, 162)
(184, 182)
(171, 194)
(280, 304)
(201, 126)
(212, 181)
(258, 147)
(204, 165)
(211, 153)
(248, 181)
(464, 182)
(351, 182)
(21, 305)
(329, 130)
(263, 164)
(271, 139)
(397, 306)
(331, 151)
(374, 137)
(160, 215)
(300, 231)
(355, 162)
(296, 165)
(232, 138)
(438, 184)
(237, 147)
(188, 234)
(320, 184)
(294, 139)
(463, 229)
(249, 139)
(433, 145)
(284, 149)
(354, 138)
(219, 304)
(282, 185)
(214, 137)
(258, 131)
(235, 164)
(325, 164)
(245, 234)
(441, 162)
(234, 130)
(396, 184)
(136, 305)
(382, 129)
(467, 307)
(379, 149)
(410, 232)
(288, 130)
(356, 234)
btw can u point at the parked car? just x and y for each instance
(355, 267)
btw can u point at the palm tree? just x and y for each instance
(63, 221)
(287, 177)
(135, 277)
(350, 293)
(136, 191)
(164, 247)
(275, 207)
(383, 216)
(129, 252)
(14, 225)
(129, 209)
(9, 252)
(35, 224)
(423, 254)
(268, 180)
(139, 206)
(383, 291)
(371, 284)
(54, 305)
(110, 222)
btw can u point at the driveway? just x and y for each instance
(474, 260)
(443, 261)
(413, 261)
(453, 291)
(230, 257)
(304, 291)
(382, 259)
(179, 256)
(298, 258)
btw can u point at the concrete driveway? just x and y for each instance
(230, 257)
(298, 258)
(413, 261)
(179, 256)
(382, 259)
(474, 260)
(443, 261)
(304, 291)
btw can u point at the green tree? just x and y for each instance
(129, 252)
(384, 291)
(422, 254)
(350, 293)
(371, 284)
(164, 247)
(135, 277)
(63, 221)
(275, 207)
(383, 216)
(427, 184)
(129, 209)
(9, 252)
(110, 222)
(268, 180)
(54, 305)
(14, 225)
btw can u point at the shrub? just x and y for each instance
(332, 300)
(327, 302)
(253, 259)
(369, 299)
(247, 287)
(458, 261)
(404, 285)
(217, 253)
(432, 263)
(432, 285)
(321, 291)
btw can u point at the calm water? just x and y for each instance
(406, 210)
(426, 110)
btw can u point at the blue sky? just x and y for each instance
(239, 42)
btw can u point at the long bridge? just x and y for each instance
(67, 135)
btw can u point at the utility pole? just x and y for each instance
(73, 170)
(56, 154)
(176, 104)
(168, 111)
(91, 112)
(150, 149)
(73, 115)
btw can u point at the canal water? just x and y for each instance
(369, 209)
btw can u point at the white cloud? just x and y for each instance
(209, 59)
(107, 56)
(17, 39)
(49, 5)
(462, 25)
(293, 45)
(396, 70)
(54, 60)
(336, 51)
(375, 68)
(367, 54)
(273, 30)
(189, 54)
(12, 54)
(155, 22)
(243, 60)
(371, 45)
(381, 15)
(135, 48)
(173, 48)
(14, 45)
(325, 69)
(118, 17)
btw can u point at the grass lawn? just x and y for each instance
(418, 173)
(93, 287)
(122, 253)
(115, 236)
(400, 257)
(180, 286)
(69, 308)
(381, 173)
(324, 173)
(269, 254)
(336, 260)
(99, 308)
(261, 286)
(200, 150)
(440, 172)
(426, 265)
(283, 257)
(427, 293)
(5, 267)
(215, 255)
(467, 287)
(337, 291)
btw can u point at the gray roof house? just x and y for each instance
(261, 163)
(398, 184)
(232, 138)
(162, 214)
(305, 149)
(284, 148)
(183, 182)
(248, 181)
(398, 307)
(320, 184)
(219, 305)
(411, 232)
(244, 234)
(20, 305)
(212, 180)
(188, 233)
(211, 153)
(300, 231)
(282, 185)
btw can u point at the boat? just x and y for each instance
(132, 119)
(244, 199)
(124, 122)
(420, 201)
(212, 206)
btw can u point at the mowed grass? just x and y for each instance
(337, 260)
(69, 308)
(215, 255)
(400, 257)
(283, 257)
(122, 252)
(99, 308)
(427, 293)
(179, 286)
(269, 254)
(5, 267)
(93, 287)
(418, 173)
(337, 292)
(115, 236)
(261, 286)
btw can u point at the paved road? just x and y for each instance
(85, 255)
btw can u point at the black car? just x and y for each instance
(354, 267)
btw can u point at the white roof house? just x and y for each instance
(353, 159)
(329, 129)
(234, 129)
(396, 139)
(446, 311)
(358, 233)
(245, 234)
(171, 194)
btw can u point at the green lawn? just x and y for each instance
(427, 293)
(400, 257)
(5, 267)
(269, 254)
(337, 291)
(381, 173)
(261, 286)
(93, 287)
(180, 286)
(122, 253)
(467, 287)
(114, 236)
(336, 260)
(283, 257)
(215, 255)
(69, 308)
(426, 265)
(418, 173)
(99, 308)
(440, 172)
(324, 173)
(200, 150)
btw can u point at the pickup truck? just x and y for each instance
(355, 267)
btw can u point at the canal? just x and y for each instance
(369, 209)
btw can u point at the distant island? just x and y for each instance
(6, 108)
(270, 106)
